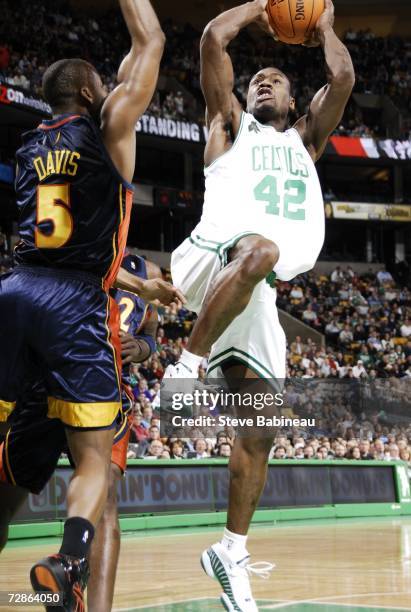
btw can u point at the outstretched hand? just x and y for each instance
(164, 292)
(325, 22)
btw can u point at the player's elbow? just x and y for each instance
(157, 41)
(344, 77)
(212, 37)
(153, 36)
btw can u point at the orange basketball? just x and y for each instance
(294, 20)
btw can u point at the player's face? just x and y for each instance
(269, 95)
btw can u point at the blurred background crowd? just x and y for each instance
(43, 32)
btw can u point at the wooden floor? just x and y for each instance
(342, 566)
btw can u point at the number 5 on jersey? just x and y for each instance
(53, 207)
(294, 197)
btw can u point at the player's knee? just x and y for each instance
(259, 259)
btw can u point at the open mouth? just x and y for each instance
(265, 93)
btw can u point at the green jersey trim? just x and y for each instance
(256, 366)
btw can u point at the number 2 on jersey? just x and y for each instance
(53, 206)
(126, 306)
(294, 198)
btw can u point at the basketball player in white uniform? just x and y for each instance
(263, 218)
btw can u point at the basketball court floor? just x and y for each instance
(358, 565)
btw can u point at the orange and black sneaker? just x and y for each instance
(61, 578)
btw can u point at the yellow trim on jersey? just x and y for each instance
(100, 414)
(124, 425)
(6, 408)
(6, 452)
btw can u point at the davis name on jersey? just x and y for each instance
(74, 207)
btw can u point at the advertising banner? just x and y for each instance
(361, 211)
(150, 487)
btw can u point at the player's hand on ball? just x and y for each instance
(312, 41)
(161, 291)
(263, 22)
(326, 19)
(325, 22)
(262, 4)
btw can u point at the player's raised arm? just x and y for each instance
(137, 77)
(217, 75)
(327, 107)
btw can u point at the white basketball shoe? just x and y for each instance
(234, 577)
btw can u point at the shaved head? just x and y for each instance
(71, 82)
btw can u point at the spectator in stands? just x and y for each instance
(406, 328)
(138, 431)
(155, 450)
(346, 336)
(280, 452)
(394, 453)
(299, 453)
(224, 450)
(309, 452)
(359, 370)
(147, 412)
(383, 277)
(337, 276)
(309, 316)
(339, 451)
(378, 450)
(364, 448)
(322, 453)
(200, 448)
(354, 453)
(177, 449)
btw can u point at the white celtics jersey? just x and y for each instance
(266, 184)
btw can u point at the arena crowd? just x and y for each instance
(34, 34)
(368, 343)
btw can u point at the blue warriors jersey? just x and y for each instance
(74, 207)
(134, 312)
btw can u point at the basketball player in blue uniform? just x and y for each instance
(31, 460)
(139, 322)
(57, 320)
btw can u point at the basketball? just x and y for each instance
(294, 20)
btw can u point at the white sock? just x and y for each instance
(235, 543)
(191, 361)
